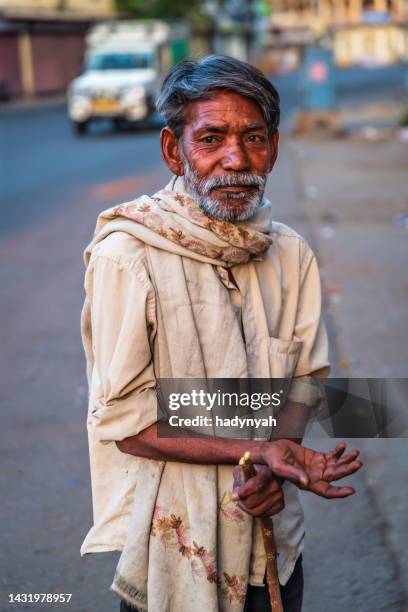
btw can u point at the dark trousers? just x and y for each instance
(257, 599)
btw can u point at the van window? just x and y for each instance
(119, 61)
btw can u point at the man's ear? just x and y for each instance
(169, 145)
(273, 143)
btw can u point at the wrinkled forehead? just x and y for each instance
(228, 111)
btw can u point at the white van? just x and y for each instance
(124, 67)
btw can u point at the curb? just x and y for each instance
(32, 103)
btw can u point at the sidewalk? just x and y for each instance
(352, 193)
(344, 196)
(22, 104)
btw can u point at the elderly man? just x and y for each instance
(197, 281)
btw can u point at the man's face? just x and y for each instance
(226, 155)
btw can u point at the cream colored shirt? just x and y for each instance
(119, 333)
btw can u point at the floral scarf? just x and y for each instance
(174, 216)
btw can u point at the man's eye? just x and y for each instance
(208, 139)
(256, 138)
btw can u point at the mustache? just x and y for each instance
(246, 179)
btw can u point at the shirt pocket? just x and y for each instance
(283, 356)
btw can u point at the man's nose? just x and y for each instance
(235, 158)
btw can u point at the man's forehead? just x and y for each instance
(224, 109)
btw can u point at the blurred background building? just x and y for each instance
(42, 42)
(365, 32)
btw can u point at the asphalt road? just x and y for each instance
(52, 187)
(43, 166)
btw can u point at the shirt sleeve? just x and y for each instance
(313, 362)
(122, 307)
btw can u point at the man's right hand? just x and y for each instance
(261, 495)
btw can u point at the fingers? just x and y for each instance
(337, 452)
(271, 492)
(338, 466)
(262, 512)
(339, 492)
(334, 455)
(254, 485)
(324, 489)
(238, 475)
(337, 472)
(268, 507)
(261, 495)
(349, 457)
(293, 473)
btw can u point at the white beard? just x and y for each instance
(200, 190)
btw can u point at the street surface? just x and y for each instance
(342, 195)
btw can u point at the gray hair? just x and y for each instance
(197, 79)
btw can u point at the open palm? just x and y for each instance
(312, 470)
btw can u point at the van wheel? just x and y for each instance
(80, 127)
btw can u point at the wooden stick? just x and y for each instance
(269, 542)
